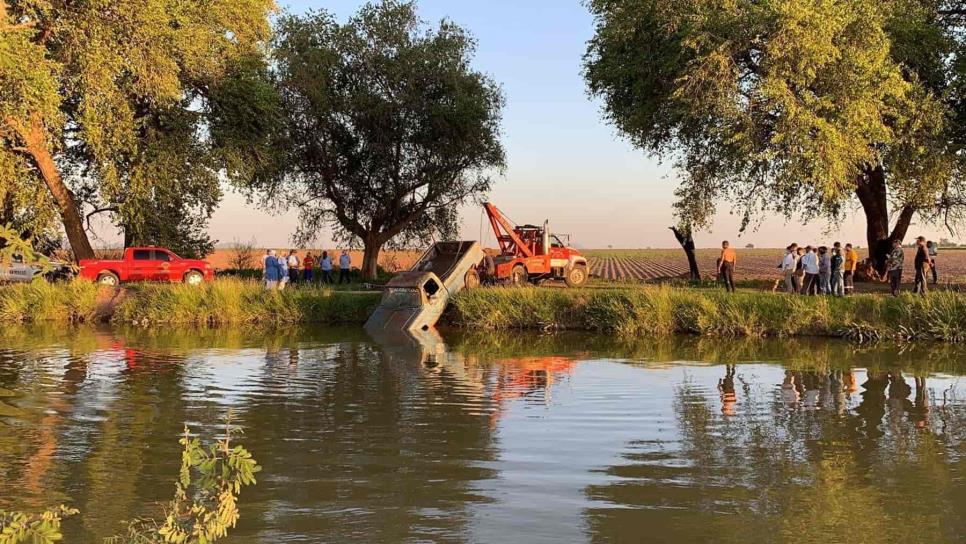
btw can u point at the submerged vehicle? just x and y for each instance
(415, 300)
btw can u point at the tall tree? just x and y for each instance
(800, 107)
(105, 104)
(388, 128)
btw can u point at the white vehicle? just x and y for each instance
(19, 273)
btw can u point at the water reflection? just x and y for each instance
(468, 438)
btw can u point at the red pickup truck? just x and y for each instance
(147, 264)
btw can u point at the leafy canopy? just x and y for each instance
(122, 92)
(782, 105)
(387, 127)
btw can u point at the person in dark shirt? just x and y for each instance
(922, 266)
(894, 264)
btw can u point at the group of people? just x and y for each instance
(925, 263)
(279, 271)
(820, 270)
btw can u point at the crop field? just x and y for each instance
(634, 265)
(753, 264)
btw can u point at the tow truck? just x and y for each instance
(530, 253)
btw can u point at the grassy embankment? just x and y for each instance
(223, 302)
(651, 311)
(634, 312)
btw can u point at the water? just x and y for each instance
(507, 438)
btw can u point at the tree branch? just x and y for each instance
(87, 219)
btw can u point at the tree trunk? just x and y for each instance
(687, 242)
(873, 195)
(36, 145)
(370, 258)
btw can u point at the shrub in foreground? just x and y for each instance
(204, 507)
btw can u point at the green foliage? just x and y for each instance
(42, 301)
(19, 528)
(129, 132)
(786, 105)
(12, 244)
(205, 503)
(222, 302)
(387, 128)
(231, 301)
(647, 311)
(204, 507)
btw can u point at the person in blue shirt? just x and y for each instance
(272, 271)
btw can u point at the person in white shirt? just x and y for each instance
(345, 265)
(810, 266)
(788, 267)
(293, 267)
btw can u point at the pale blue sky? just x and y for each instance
(564, 163)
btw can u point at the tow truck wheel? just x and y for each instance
(576, 276)
(108, 279)
(193, 277)
(518, 276)
(471, 280)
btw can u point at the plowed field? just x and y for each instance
(753, 264)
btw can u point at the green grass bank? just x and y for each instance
(631, 312)
(222, 302)
(638, 312)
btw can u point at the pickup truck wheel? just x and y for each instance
(471, 280)
(193, 277)
(576, 276)
(518, 276)
(108, 279)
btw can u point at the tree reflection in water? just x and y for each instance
(485, 437)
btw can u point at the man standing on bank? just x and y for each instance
(788, 267)
(293, 267)
(726, 270)
(922, 266)
(345, 265)
(851, 265)
(894, 265)
(810, 265)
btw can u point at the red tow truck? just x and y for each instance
(147, 264)
(530, 253)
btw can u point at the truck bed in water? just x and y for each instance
(416, 299)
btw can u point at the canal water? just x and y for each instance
(495, 438)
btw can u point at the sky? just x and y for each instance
(564, 162)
